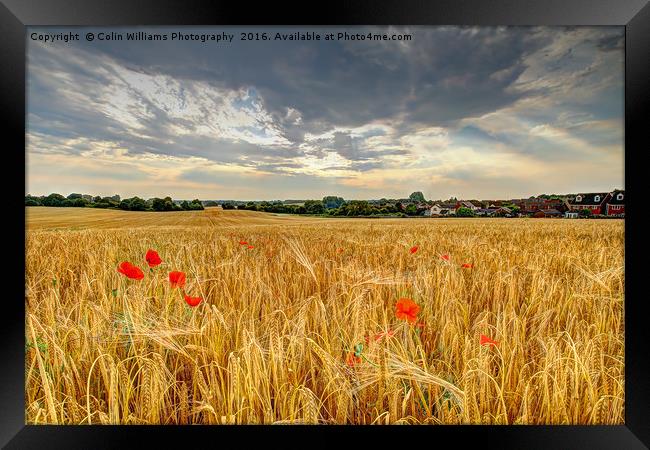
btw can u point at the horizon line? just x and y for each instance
(330, 195)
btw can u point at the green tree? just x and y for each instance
(196, 205)
(332, 201)
(169, 204)
(53, 200)
(30, 200)
(158, 204)
(417, 197)
(138, 204)
(314, 207)
(464, 212)
(411, 210)
(585, 213)
(79, 202)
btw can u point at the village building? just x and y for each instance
(547, 213)
(440, 209)
(532, 205)
(615, 206)
(594, 202)
(466, 204)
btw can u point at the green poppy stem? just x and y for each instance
(367, 360)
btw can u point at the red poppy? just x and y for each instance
(444, 257)
(152, 257)
(131, 271)
(177, 279)
(352, 359)
(414, 249)
(407, 309)
(250, 246)
(467, 266)
(192, 301)
(243, 243)
(487, 341)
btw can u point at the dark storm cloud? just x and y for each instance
(442, 75)
(285, 106)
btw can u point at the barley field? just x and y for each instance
(520, 321)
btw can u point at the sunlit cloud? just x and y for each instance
(468, 112)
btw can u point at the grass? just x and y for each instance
(270, 340)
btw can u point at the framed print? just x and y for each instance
(400, 218)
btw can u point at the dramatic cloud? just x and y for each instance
(469, 112)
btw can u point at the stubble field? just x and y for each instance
(302, 327)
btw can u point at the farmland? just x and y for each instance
(298, 324)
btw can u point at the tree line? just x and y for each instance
(332, 206)
(114, 202)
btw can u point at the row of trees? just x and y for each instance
(331, 206)
(114, 202)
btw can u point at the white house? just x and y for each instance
(439, 210)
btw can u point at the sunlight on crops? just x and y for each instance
(301, 328)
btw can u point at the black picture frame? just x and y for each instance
(15, 15)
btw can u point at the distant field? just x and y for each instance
(52, 218)
(274, 339)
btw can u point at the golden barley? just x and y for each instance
(268, 344)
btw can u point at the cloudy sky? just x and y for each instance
(456, 111)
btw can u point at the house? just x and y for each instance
(484, 212)
(466, 204)
(615, 206)
(502, 211)
(547, 213)
(433, 211)
(594, 202)
(571, 215)
(492, 203)
(440, 209)
(532, 205)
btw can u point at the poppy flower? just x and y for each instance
(407, 309)
(352, 359)
(487, 341)
(192, 301)
(177, 279)
(131, 271)
(243, 243)
(414, 249)
(444, 257)
(467, 266)
(152, 257)
(250, 246)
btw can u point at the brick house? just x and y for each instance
(532, 205)
(615, 206)
(595, 202)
